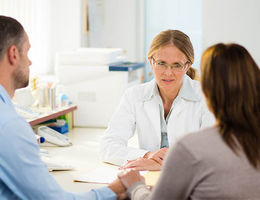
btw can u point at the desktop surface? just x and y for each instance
(83, 155)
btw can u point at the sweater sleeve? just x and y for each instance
(138, 191)
(179, 175)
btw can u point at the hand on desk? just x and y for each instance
(143, 164)
(158, 156)
(151, 161)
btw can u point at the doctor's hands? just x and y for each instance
(151, 161)
(158, 155)
(143, 164)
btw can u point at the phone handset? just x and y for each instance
(53, 137)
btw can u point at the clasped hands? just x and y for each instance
(125, 179)
(151, 161)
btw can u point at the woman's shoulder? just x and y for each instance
(141, 91)
(194, 137)
(195, 84)
(202, 141)
(191, 89)
(142, 86)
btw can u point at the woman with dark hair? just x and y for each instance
(223, 161)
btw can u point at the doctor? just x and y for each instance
(160, 111)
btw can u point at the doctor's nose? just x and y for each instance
(168, 71)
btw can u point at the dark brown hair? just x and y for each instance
(230, 80)
(178, 39)
(11, 33)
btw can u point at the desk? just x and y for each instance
(83, 155)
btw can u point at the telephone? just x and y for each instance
(53, 137)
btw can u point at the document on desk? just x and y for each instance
(105, 175)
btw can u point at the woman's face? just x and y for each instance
(168, 65)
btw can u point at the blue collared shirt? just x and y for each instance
(23, 175)
(185, 92)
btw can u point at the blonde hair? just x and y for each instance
(178, 39)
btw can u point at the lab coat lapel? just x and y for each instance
(176, 121)
(151, 108)
(178, 107)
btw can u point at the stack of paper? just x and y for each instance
(106, 175)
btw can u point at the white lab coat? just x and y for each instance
(139, 111)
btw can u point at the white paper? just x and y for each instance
(104, 175)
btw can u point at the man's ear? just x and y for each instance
(13, 54)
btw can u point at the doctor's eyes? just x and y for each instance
(165, 65)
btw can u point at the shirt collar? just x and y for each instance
(186, 91)
(4, 96)
(150, 90)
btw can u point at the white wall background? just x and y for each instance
(35, 16)
(232, 21)
(121, 26)
(56, 25)
(184, 15)
(66, 26)
(52, 25)
(117, 24)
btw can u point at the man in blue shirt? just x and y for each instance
(22, 173)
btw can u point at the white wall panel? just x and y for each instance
(232, 21)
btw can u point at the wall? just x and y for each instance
(35, 17)
(65, 26)
(184, 15)
(123, 27)
(232, 21)
(112, 23)
(56, 25)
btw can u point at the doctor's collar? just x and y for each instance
(150, 91)
(186, 91)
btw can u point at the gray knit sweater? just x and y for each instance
(202, 166)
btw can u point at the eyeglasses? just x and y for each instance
(160, 65)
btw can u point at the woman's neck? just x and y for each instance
(168, 97)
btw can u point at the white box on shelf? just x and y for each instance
(97, 89)
(90, 56)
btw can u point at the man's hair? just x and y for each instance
(11, 33)
(230, 80)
